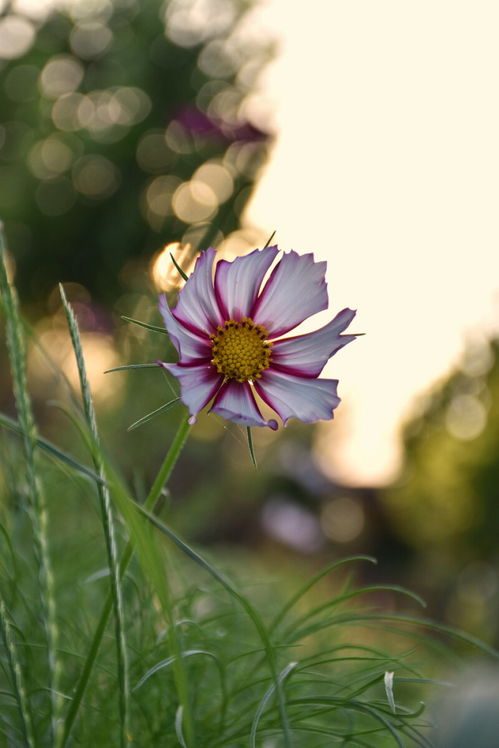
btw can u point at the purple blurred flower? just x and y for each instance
(197, 122)
(228, 334)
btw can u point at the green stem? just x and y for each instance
(169, 462)
(161, 479)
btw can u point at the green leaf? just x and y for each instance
(250, 446)
(269, 239)
(179, 269)
(132, 366)
(155, 328)
(153, 413)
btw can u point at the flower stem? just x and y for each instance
(161, 479)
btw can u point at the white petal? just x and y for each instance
(237, 283)
(198, 384)
(306, 355)
(295, 290)
(197, 306)
(190, 347)
(235, 402)
(306, 399)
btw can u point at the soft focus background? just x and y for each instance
(364, 132)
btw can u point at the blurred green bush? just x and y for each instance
(121, 129)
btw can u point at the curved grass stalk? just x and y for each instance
(426, 623)
(108, 527)
(311, 582)
(17, 354)
(160, 481)
(265, 700)
(191, 653)
(354, 704)
(349, 596)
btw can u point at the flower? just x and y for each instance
(228, 333)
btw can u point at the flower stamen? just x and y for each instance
(241, 350)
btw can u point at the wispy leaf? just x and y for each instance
(155, 328)
(153, 413)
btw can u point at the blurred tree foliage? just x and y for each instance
(121, 130)
(445, 503)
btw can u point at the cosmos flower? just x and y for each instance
(228, 331)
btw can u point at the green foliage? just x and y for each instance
(444, 503)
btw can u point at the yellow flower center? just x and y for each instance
(241, 350)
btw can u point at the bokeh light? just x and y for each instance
(16, 36)
(96, 176)
(342, 519)
(61, 75)
(90, 40)
(163, 271)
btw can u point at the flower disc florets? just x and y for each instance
(241, 350)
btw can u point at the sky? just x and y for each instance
(386, 164)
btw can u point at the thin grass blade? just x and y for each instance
(107, 523)
(388, 683)
(269, 239)
(38, 510)
(153, 414)
(52, 450)
(129, 367)
(251, 446)
(340, 599)
(265, 700)
(179, 718)
(154, 328)
(161, 480)
(17, 676)
(244, 602)
(312, 582)
(178, 268)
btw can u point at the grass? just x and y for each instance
(117, 632)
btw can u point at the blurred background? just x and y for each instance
(363, 132)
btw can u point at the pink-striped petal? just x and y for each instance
(237, 283)
(295, 290)
(197, 306)
(190, 347)
(308, 400)
(235, 402)
(198, 384)
(306, 355)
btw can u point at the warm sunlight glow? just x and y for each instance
(385, 164)
(163, 271)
